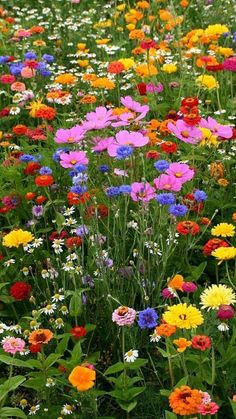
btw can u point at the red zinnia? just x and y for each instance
(148, 43)
(115, 67)
(192, 118)
(78, 332)
(31, 168)
(7, 79)
(34, 349)
(212, 245)
(201, 342)
(142, 88)
(20, 291)
(44, 180)
(100, 210)
(46, 113)
(168, 147)
(73, 242)
(214, 67)
(188, 227)
(19, 129)
(152, 154)
(190, 102)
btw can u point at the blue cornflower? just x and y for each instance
(15, 68)
(56, 155)
(4, 59)
(147, 318)
(27, 157)
(48, 58)
(45, 72)
(79, 189)
(126, 189)
(80, 168)
(178, 210)
(30, 55)
(165, 198)
(113, 191)
(80, 178)
(161, 165)
(45, 170)
(82, 230)
(200, 196)
(124, 151)
(104, 168)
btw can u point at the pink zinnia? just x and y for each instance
(230, 64)
(7, 79)
(208, 408)
(168, 183)
(124, 316)
(68, 160)
(181, 171)
(13, 345)
(224, 131)
(186, 133)
(71, 135)
(99, 119)
(142, 191)
(133, 139)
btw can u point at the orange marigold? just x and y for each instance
(82, 378)
(185, 401)
(165, 330)
(66, 78)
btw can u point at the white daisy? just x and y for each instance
(131, 355)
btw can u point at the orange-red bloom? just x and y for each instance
(165, 330)
(188, 228)
(44, 180)
(40, 336)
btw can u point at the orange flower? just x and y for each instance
(19, 129)
(40, 336)
(44, 180)
(136, 34)
(65, 78)
(165, 330)
(176, 282)
(185, 401)
(182, 344)
(88, 99)
(103, 83)
(82, 378)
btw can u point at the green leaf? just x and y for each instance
(76, 353)
(197, 271)
(3, 285)
(51, 359)
(10, 385)
(62, 345)
(35, 383)
(182, 382)
(165, 393)
(75, 304)
(6, 412)
(233, 405)
(136, 364)
(170, 415)
(119, 366)
(14, 361)
(60, 219)
(127, 406)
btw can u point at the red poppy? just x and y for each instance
(78, 332)
(73, 242)
(201, 342)
(44, 180)
(169, 147)
(188, 228)
(20, 291)
(31, 168)
(213, 244)
(100, 210)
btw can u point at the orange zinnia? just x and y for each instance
(82, 378)
(185, 401)
(165, 330)
(40, 336)
(176, 282)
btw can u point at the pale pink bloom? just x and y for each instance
(68, 160)
(142, 191)
(168, 183)
(13, 345)
(181, 171)
(224, 131)
(131, 104)
(124, 316)
(208, 409)
(18, 87)
(120, 172)
(71, 135)
(27, 72)
(23, 33)
(99, 119)
(133, 139)
(101, 144)
(75, 1)
(185, 132)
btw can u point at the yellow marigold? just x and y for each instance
(224, 253)
(183, 316)
(17, 237)
(226, 52)
(81, 46)
(164, 15)
(223, 182)
(130, 26)
(89, 77)
(145, 70)
(39, 43)
(127, 62)
(223, 230)
(217, 295)
(216, 29)
(66, 78)
(88, 99)
(103, 83)
(121, 7)
(136, 34)
(182, 344)
(208, 82)
(169, 68)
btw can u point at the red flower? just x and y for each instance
(190, 101)
(20, 291)
(101, 211)
(148, 43)
(188, 228)
(34, 349)
(32, 168)
(225, 312)
(78, 332)
(7, 79)
(29, 196)
(31, 63)
(75, 199)
(168, 147)
(55, 235)
(192, 204)
(142, 88)
(115, 67)
(46, 113)
(73, 242)
(192, 118)
(19, 129)
(214, 67)
(213, 244)
(4, 112)
(40, 199)
(44, 180)
(201, 342)
(152, 154)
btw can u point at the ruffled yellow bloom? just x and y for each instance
(169, 68)
(127, 62)
(183, 316)
(17, 237)
(144, 70)
(223, 230)
(66, 78)
(216, 29)
(209, 82)
(224, 253)
(217, 295)
(103, 83)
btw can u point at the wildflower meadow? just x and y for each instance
(117, 209)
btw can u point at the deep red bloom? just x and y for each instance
(20, 290)
(201, 342)
(148, 43)
(188, 228)
(142, 88)
(32, 168)
(214, 67)
(78, 332)
(73, 242)
(55, 235)
(40, 199)
(169, 147)
(7, 79)
(213, 244)
(4, 112)
(75, 199)
(190, 102)
(34, 349)
(152, 154)
(192, 204)
(192, 118)
(31, 63)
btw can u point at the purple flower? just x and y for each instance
(147, 318)
(37, 210)
(82, 230)
(178, 210)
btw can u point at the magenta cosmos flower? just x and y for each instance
(133, 139)
(99, 119)
(168, 183)
(124, 316)
(184, 132)
(68, 160)
(71, 135)
(181, 171)
(224, 131)
(13, 345)
(142, 191)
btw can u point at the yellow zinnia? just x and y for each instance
(17, 237)
(183, 316)
(169, 68)
(209, 82)
(223, 230)
(224, 253)
(217, 295)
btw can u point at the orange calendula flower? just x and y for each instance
(185, 401)
(176, 282)
(65, 78)
(40, 336)
(182, 344)
(82, 378)
(103, 83)
(165, 330)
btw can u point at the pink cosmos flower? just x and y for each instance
(142, 191)
(168, 182)
(224, 131)
(68, 160)
(124, 316)
(99, 119)
(131, 104)
(181, 171)
(184, 132)
(208, 409)
(101, 144)
(71, 135)
(133, 139)
(13, 345)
